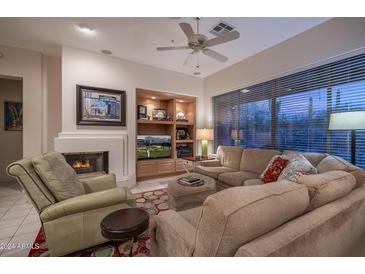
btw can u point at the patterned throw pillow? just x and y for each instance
(298, 166)
(273, 169)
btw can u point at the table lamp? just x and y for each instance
(205, 135)
(351, 120)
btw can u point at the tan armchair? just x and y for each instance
(72, 224)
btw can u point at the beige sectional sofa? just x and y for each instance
(236, 166)
(242, 167)
(320, 215)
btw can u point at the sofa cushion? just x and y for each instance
(327, 187)
(253, 182)
(313, 157)
(230, 217)
(337, 163)
(256, 160)
(273, 169)
(229, 156)
(212, 172)
(211, 163)
(58, 175)
(333, 230)
(192, 215)
(298, 165)
(237, 178)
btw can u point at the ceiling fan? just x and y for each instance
(200, 43)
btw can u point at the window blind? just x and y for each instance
(292, 112)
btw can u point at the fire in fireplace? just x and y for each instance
(87, 162)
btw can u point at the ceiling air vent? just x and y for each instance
(221, 28)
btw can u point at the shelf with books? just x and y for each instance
(142, 121)
(184, 141)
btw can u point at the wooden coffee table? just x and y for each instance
(125, 224)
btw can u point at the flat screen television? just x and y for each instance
(153, 146)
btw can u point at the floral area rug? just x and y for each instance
(152, 201)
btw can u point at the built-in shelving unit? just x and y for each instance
(184, 141)
(173, 104)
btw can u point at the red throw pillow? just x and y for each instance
(273, 170)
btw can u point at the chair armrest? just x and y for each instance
(98, 183)
(210, 163)
(171, 235)
(86, 202)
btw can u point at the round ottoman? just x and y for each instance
(182, 197)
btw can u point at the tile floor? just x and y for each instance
(19, 221)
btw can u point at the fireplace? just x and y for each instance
(87, 162)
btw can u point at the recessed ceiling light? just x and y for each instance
(153, 97)
(106, 52)
(245, 90)
(181, 101)
(197, 73)
(85, 28)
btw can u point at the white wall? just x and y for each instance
(27, 65)
(11, 142)
(41, 77)
(92, 69)
(310, 48)
(52, 97)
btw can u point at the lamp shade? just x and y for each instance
(205, 134)
(347, 120)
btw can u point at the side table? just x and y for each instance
(193, 161)
(125, 224)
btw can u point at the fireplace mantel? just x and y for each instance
(115, 143)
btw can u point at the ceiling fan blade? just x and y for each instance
(229, 36)
(189, 57)
(188, 30)
(215, 55)
(172, 48)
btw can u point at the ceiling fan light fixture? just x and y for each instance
(199, 43)
(85, 28)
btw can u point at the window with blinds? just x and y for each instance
(292, 112)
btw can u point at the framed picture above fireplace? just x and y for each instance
(100, 106)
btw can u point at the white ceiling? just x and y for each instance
(136, 39)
